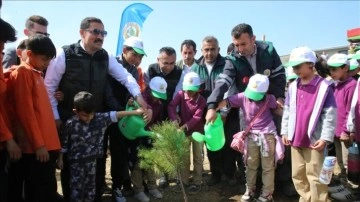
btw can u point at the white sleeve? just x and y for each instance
(351, 117)
(118, 72)
(54, 73)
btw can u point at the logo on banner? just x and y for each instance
(131, 29)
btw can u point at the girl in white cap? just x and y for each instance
(192, 106)
(308, 124)
(260, 136)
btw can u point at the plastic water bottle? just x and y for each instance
(327, 169)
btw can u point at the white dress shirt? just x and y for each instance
(56, 70)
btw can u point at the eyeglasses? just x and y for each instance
(42, 33)
(96, 32)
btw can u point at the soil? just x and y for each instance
(221, 192)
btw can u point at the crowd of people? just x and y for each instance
(60, 109)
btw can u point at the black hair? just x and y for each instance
(7, 32)
(84, 102)
(29, 24)
(240, 29)
(321, 67)
(167, 50)
(41, 45)
(85, 23)
(188, 43)
(230, 48)
(22, 45)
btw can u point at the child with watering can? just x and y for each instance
(153, 94)
(189, 119)
(82, 139)
(259, 138)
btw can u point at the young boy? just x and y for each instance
(261, 137)
(192, 106)
(344, 90)
(35, 132)
(7, 34)
(153, 95)
(308, 124)
(82, 140)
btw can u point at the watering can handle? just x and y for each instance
(128, 108)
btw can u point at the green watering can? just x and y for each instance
(214, 135)
(133, 126)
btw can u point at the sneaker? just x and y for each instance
(117, 196)
(336, 189)
(163, 182)
(141, 196)
(213, 181)
(194, 189)
(345, 195)
(248, 196)
(265, 198)
(155, 193)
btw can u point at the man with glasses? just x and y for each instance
(84, 66)
(35, 24)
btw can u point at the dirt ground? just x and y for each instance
(222, 192)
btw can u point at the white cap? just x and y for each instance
(191, 81)
(257, 87)
(301, 55)
(158, 87)
(136, 43)
(290, 74)
(353, 64)
(338, 60)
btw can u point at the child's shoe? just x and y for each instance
(248, 195)
(336, 189)
(155, 193)
(141, 196)
(265, 198)
(345, 195)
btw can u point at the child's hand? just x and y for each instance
(178, 119)
(60, 163)
(285, 140)
(13, 149)
(59, 96)
(148, 115)
(344, 137)
(42, 154)
(139, 111)
(183, 127)
(319, 145)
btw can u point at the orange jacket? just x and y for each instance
(5, 133)
(141, 81)
(35, 125)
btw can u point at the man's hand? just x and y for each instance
(285, 140)
(59, 96)
(319, 145)
(210, 116)
(13, 149)
(42, 154)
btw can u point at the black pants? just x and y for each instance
(119, 158)
(65, 178)
(101, 171)
(3, 176)
(223, 161)
(37, 178)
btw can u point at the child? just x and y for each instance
(35, 132)
(308, 124)
(154, 93)
(82, 140)
(344, 90)
(192, 106)
(261, 143)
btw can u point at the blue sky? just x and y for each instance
(288, 24)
